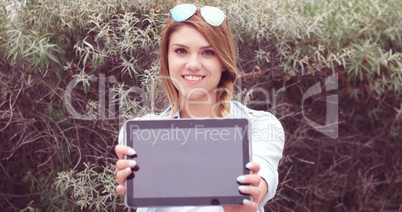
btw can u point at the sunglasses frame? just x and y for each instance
(183, 12)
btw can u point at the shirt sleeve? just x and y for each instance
(268, 140)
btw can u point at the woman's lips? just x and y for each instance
(193, 79)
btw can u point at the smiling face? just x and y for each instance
(194, 67)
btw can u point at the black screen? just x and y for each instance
(181, 161)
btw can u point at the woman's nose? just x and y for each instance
(193, 63)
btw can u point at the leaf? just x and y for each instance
(52, 57)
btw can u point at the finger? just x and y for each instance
(120, 190)
(250, 206)
(255, 192)
(253, 166)
(122, 150)
(122, 175)
(253, 179)
(122, 164)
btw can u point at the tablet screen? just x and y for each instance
(187, 162)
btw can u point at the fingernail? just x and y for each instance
(246, 201)
(243, 188)
(249, 165)
(241, 179)
(132, 163)
(131, 152)
(128, 169)
(118, 188)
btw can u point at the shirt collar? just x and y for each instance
(236, 111)
(168, 112)
(177, 115)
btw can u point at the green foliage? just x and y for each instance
(31, 49)
(92, 188)
(360, 39)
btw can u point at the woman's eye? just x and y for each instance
(180, 51)
(209, 52)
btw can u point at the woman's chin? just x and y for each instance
(200, 97)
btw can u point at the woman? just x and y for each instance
(198, 71)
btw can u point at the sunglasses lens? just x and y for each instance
(212, 15)
(183, 12)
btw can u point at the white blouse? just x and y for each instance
(268, 141)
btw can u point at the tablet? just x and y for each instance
(187, 162)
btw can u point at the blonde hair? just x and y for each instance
(221, 41)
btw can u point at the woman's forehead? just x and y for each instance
(188, 35)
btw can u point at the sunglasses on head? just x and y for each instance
(211, 15)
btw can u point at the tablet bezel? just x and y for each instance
(131, 201)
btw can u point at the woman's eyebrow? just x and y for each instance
(179, 45)
(206, 47)
(184, 46)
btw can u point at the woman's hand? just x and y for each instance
(257, 189)
(123, 167)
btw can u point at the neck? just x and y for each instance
(197, 109)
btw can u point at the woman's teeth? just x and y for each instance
(192, 78)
